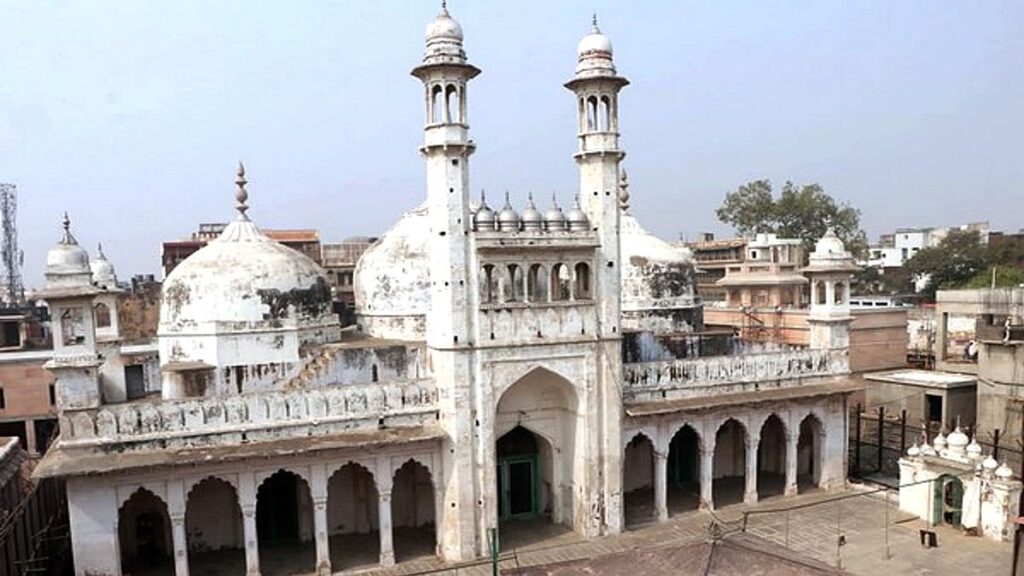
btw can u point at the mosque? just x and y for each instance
(509, 368)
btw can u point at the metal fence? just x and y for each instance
(34, 538)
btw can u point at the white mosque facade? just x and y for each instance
(542, 365)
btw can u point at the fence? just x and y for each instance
(879, 439)
(35, 539)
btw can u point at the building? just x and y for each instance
(713, 258)
(893, 250)
(173, 252)
(769, 276)
(486, 379)
(339, 262)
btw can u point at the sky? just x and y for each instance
(132, 116)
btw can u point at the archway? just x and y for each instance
(284, 525)
(213, 529)
(412, 512)
(144, 535)
(638, 480)
(352, 518)
(729, 469)
(771, 459)
(948, 500)
(684, 471)
(809, 453)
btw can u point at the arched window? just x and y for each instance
(583, 115)
(840, 292)
(516, 289)
(451, 104)
(819, 293)
(435, 105)
(374, 374)
(488, 284)
(592, 114)
(537, 283)
(462, 104)
(102, 316)
(560, 282)
(604, 118)
(582, 281)
(71, 327)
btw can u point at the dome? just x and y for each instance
(67, 263)
(990, 463)
(913, 450)
(1004, 471)
(577, 218)
(243, 282)
(829, 245)
(658, 281)
(594, 57)
(102, 270)
(554, 219)
(594, 43)
(957, 441)
(392, 280)
(483, 217)
(974, 449)
(927, 450)
(531, 217)
(939, 443)
(508, 218)
(444, 27)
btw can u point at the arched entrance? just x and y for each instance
(412, 512)
(771, 458)
(729, 469)
(948, 500)
(684, 471)
(284, 525)
(144, 535)
(535, 448)
(809, 453)
(352, 518)
(213, 529)
(638, 480)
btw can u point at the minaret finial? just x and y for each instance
(444, 6)
(99, 251)
(241, 195)
(593, 22)
(624, 190)
(68, 237)
(483, 197)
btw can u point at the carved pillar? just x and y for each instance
(660, 486)
(791, 442)
(707, 468)
(247, 502)
(750, 492)
(318, 489)
(387, 549)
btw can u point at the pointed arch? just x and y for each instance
(353, 523)
(214, 532)
(144, 533)
(284, 518)
(729, 462)
(638, 479)
(683, 469)
(771, 457)
(810, 452)
(414, 511)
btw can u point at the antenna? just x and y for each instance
(9, 252)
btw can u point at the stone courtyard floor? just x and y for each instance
(813, 530)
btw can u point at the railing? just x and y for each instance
(647, 379)
(276, 414)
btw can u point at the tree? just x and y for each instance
(804, 212)
(958, 258)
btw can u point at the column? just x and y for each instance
(318, 489)
(791, 443)
(180, 544)
(247, 502)
(660, 486)
(750, 492)
(387, 549)
(707, 469)
(30, 437)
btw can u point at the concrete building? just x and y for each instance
(769, 275)
(174, 252)
(713, 258)
(486, 384)
(339, 262)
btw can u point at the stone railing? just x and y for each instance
(254, 416)
(720, 374)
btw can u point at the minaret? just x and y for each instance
(829, 272)
(445, 74)
(596, 86)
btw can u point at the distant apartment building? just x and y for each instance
(769, 274)
(893, 250)
(339, 261)
(174, 251)
(713, 258)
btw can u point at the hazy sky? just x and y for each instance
(132, 115)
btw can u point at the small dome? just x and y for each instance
(483, 218)
(577, 218)
(554, 219)
(594, 43)
(1004, 472)
(913, 450)
(939, 443)
(829, 245)
(102, 270)
(974, 449)
(444, 27)
(957, 441)
(508, 218)
(990, 463)
(531, 217)
(67, 256)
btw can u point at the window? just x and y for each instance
(71, 327)
(537, 283)
(934, 408)
(820, 289)
(53, 395)
(102, 315)
(488, 284)
(582, 281)
(3, 399)
(560, 282)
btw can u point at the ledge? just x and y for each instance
(653, 408)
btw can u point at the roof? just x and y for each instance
(761, 279)
(299, 235)
(60, 461)
(650, 408)
(924, 378)
(716, 244)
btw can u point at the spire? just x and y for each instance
(99, 251)
(241, 195)
(593, 23)
(68, 237)
(444, 7)
(624, 190)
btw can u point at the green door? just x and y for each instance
(947, 500)
(517, 487)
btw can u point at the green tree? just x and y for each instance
(804, 212)
(958, 258)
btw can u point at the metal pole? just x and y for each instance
(856, 446)
(888, 553)
(881, 433)
(787, 528)
(494, 551)
(995, 442)
(839, 541)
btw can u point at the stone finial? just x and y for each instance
(241, 195)
(624, 191)
(99, 251)
(593, 23)
(68, 238)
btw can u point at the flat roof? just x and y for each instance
(653, 407)
(924, 378)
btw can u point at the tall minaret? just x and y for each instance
(597, 86)
(445, 73)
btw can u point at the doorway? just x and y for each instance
(518, 475)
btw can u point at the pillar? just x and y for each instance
(387, 548)
(660, 485)
(30, 437)
(750, 491)
(791, 445)
(180, 544)
(707, 469)
(318, 490)
(247, 502)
